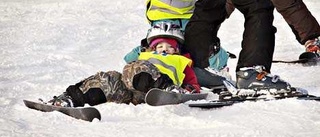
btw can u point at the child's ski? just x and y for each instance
(83, 113)
(158, 97)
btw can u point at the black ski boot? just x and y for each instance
(257, 78)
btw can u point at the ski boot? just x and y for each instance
(257, 80)
(254, 83)
(313, 45)
(62, 100)
(311, 56)
(224, 72)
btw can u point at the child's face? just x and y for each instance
(166, 47)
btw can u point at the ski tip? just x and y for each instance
(151, 97)
(28, 103)
(311, 57)
(95, 114)
(308, 55)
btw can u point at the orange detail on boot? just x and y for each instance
(261, 75)
(312, 45)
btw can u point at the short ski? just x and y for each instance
(158, 97)
(222, 103)
(306, 58)
(294, 61)
(240, 95)
(83, 113)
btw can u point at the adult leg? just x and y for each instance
(201, 31)
(259, 34)
(229, 8)
(257, 47)
(299, 18)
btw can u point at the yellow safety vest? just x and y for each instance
(168, 9)
(171, 65)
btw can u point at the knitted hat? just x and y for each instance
(170, 41)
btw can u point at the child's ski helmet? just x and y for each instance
(166, 30)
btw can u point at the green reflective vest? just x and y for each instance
(171, 65)
(169, 9)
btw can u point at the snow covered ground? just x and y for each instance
(47, 45)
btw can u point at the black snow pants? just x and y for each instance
(258, 38)
(202, 29)
(259, 34)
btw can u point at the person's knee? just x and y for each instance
(252, 7)
(210, 4)
(283, 5)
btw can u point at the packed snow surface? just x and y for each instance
(47, 45)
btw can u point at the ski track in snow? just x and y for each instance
(46, 45)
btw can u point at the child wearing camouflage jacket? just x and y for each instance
(162, 68)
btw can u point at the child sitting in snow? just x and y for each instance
(178, 12)
(162, 68)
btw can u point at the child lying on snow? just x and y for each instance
(162, 67)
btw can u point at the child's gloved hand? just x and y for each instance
(144, 46)
(191, 88)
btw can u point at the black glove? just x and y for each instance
(215, 46)
(231, 55)
(76, 94)
(144, 45)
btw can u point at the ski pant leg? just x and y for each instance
(140, 76)
(103, 87)
(229, 8)
(299, 18)
(201, 31)
(93, 96)
(259, 34)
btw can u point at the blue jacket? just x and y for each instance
(218, 61)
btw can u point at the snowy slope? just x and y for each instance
(47, 45)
